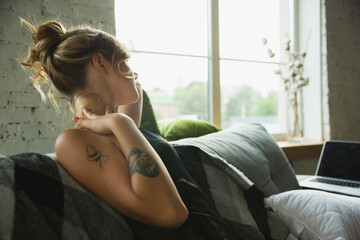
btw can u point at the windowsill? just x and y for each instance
(301, 150)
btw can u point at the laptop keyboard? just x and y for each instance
(336, 182)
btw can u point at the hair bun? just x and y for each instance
(52, 31)
(46, 37)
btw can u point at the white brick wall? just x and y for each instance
(343, 61)
(27, 124)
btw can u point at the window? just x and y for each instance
(169, 52)
(169, 41)
(249, 87)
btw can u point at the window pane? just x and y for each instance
(177, 86)
(244, 23)
(163, 26)
(249, 93)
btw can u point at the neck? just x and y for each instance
(93, 97)
(92, 101)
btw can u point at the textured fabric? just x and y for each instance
(174, 129)
(313, 214)
(148, 118)
(195, 175)
(253, 151)
(76, 213)
(39, 200)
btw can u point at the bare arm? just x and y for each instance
(133, 179)
(134, 110)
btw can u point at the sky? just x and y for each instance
(180, 27)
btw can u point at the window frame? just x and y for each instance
(214, 59)
(214, 62)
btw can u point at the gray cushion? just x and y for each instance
(251, 149)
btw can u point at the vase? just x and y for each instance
(295, 119)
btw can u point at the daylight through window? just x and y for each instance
(169, 45)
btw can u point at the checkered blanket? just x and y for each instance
(40, 200)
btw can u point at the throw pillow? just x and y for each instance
(174, 129)
(313, 214)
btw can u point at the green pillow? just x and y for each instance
(174, 129)
(148, 119)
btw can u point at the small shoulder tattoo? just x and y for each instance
(141, 162)
(95, 155)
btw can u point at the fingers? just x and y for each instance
(108, 109)
(79, 122)
(83, 123)
(75, 120)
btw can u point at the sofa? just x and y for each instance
(40, 200)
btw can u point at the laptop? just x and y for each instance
(338, 169)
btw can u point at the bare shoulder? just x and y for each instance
(76, 144)
(75, 133)
(73, 138)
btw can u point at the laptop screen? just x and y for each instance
(340, 160)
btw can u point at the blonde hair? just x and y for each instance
(60, 58)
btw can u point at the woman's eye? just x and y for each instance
(124, 68)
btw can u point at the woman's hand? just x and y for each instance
(96, 123)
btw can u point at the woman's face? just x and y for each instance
(122, 88)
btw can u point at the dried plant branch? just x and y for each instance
(293, 81)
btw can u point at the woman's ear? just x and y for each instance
(99, 63)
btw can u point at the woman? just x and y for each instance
(106, 152)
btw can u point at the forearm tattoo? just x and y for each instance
(141, 162)
(95, 155)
